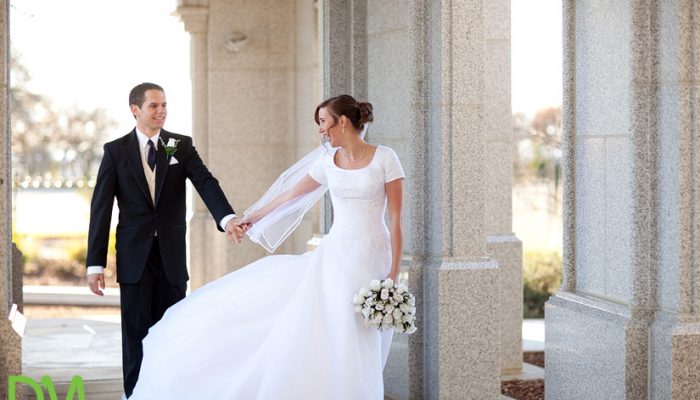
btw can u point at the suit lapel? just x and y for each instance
(132, 153)
(162, 164)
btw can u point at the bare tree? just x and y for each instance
(47, 140)
(538, 153)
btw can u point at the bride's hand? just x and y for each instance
(394, 276)
(248, 220)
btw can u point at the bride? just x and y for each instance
(283, 327)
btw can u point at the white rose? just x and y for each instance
(375, 285)
(171, 142)
(366, 311)
(401, 288)
(358, 308)
(388, 283)
(389, 307)
(397, 313)
(411, 329)
(404, 307)
(398, 297)
(411, 301)
(379, 306)
(388, 319)
(412, 310)
(384, 295)
(364, 292)
(357, 299)
(410, 318)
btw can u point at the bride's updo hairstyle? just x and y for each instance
(357, 112)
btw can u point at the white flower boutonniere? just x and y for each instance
(171, 147)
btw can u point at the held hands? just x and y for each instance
(96, 282)
(236, 229)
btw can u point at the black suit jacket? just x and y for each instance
(121, 176)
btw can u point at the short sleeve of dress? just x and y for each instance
(392, 166)
(318, 170)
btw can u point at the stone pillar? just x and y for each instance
(252, 103)
(502, 244)
(685, 339)
(307, 97)
(624, 324)
(202, 266)
(344, 60)
(458, 355)
(11, 349)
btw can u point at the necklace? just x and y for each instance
(362, 155)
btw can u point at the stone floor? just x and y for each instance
(91, 348)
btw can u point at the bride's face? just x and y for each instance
(328, 127)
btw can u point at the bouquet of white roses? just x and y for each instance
(386, 305)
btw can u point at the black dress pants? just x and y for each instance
(142, 305)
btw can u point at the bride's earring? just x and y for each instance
(342, 131)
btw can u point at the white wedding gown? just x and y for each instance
(283, 327)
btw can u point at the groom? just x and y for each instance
(146, 172)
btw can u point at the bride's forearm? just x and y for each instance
(396, 249)
(271, 206)
(306, 185)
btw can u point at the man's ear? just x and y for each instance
(134, 109)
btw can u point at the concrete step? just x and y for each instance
(69, 296)
(106, 389)
(529, 372)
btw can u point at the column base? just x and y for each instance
(686, 361)
(507, 250)
(599, 349)
(584, 348)
(461, 330)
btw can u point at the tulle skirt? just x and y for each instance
(282, 327)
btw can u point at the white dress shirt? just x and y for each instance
(151, 180)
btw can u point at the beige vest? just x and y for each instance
(150, 176)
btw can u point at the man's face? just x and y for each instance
(151, 116)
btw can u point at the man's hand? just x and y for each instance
(96, 282)
(235, 230)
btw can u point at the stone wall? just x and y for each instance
(624, 324)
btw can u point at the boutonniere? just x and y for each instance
(171, 147)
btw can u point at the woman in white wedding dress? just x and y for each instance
(283, 327)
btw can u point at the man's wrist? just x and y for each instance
(225, 220)
(95, 269)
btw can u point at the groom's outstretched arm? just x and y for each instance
(100, 219)
(207, 186)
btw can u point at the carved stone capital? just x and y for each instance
(194, 17)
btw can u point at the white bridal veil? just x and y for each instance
(276, 226)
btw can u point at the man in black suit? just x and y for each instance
(146, 172)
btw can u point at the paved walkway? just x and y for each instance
(91, 348)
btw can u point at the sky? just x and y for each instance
(536, 55)
(90, 53)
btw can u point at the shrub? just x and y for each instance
(541, 278)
